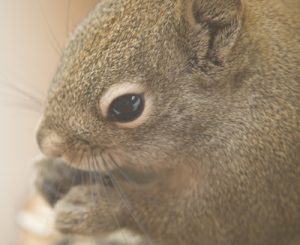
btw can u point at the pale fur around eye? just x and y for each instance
(125, 88)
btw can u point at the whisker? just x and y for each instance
(53, 45)
(71, 145)
(9, 77)
(111, 178)
(126, 177)
(92, 178)
(25, 94)
(106, 193)
(71, 182)
(53, 40)
(21, 105)
(68, 17)
(126, 201)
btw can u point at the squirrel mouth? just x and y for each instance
(108, 166)
(89, 159)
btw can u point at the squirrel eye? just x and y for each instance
(126, 108)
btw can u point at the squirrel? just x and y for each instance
(186, 115)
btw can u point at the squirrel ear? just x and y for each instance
(216, 11)
(223, 20)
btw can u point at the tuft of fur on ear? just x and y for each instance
(218, 11)
(223, 19)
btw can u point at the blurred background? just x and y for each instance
(32, 37)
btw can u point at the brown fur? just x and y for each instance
(222, 142)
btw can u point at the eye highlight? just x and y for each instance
(126, 108)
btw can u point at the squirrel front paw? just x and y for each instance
(54, 179)
(89, 210)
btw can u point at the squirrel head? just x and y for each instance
(141, 80)
(208, 86)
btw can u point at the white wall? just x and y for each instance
(27, 60)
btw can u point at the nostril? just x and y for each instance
(50, 143)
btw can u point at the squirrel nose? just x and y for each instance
(49, 142)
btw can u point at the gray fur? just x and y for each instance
(223, 139)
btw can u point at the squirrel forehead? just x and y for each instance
(122, 40)
(124, 28)
(114, 40)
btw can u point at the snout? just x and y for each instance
(49, 142)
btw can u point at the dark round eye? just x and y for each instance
(126, 108)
